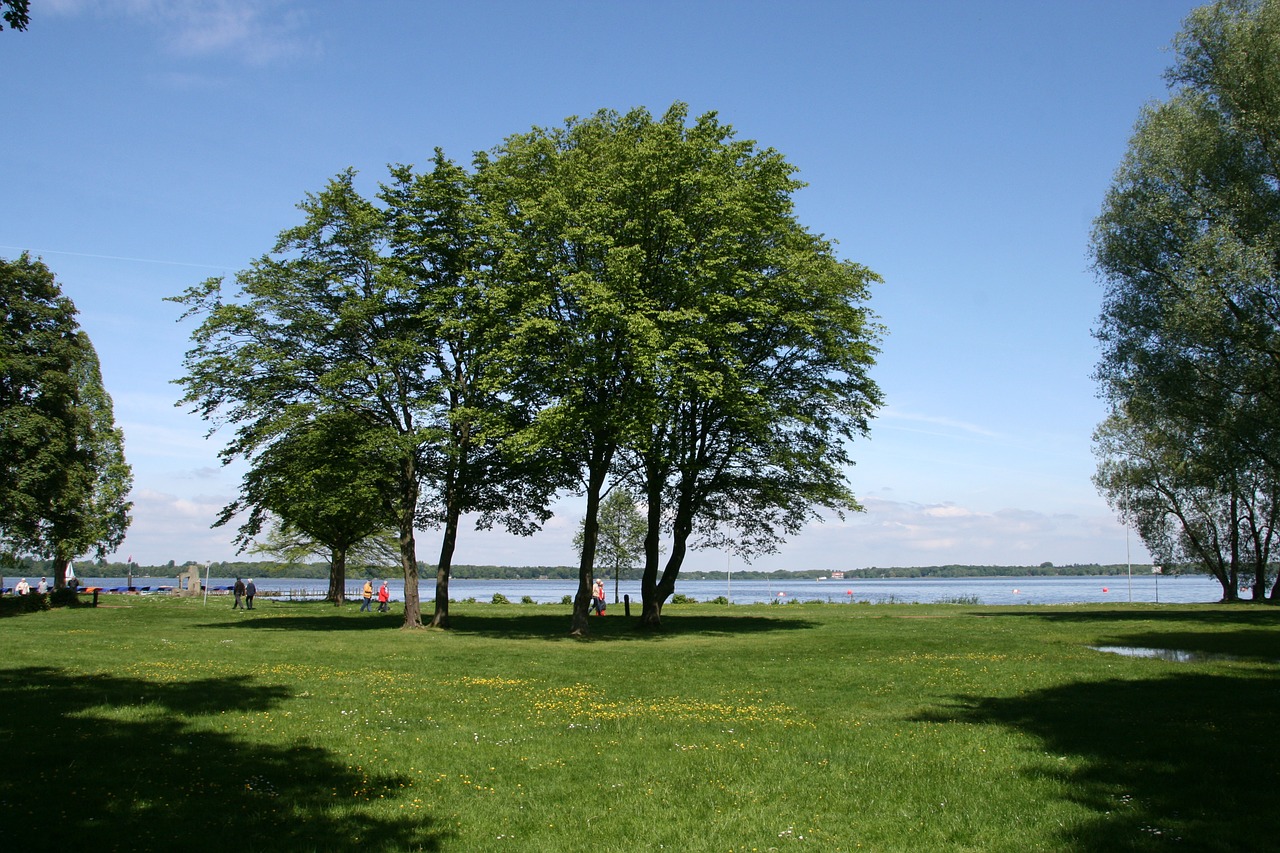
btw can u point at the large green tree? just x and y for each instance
(578, 334)
(382, 314)
(64, 481)
(684, 331)
(324, 325)
(439, 243)
(1188, 244)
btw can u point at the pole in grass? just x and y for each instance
(1129, 563)
(207, 566)
(1157, 571)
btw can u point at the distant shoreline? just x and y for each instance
(268, 569)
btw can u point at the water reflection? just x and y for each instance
(1175, 655)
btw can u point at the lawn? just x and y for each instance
(153, 723)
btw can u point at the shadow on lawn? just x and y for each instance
(1241, 614)
(555, 626)
(1246, 632)
(528, 626)
(1181, 760)
(76, 778)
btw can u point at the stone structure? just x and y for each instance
(189, 582)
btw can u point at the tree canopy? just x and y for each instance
(64, 481)
(621, 302)
(325, 481)
(17, 14)
(1188, 244)
(679, 329)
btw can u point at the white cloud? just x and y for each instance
(894, 418)
(902, 533)
(254, 31)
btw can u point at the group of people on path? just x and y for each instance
(22, 587)
(384, 597)
(246, 591)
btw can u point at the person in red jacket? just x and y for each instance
(383, 598)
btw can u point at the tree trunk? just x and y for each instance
(580, 626)
(440, 619)
(338, 577)
(408, 548)
(59, 572)
(651, 616)
(651, 605)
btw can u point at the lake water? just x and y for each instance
(1171, 589)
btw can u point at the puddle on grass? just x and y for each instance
(1175, 655)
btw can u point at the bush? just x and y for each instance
(567, 600)
(65, 597)
(680, 598)
(719, 599)
(499, 598)
(526, 599)
(32, 602)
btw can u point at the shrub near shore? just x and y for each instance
(148, 722)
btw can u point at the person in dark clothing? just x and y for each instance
(249, 592)
(238, 590)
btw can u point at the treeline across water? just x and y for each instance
(270, 569)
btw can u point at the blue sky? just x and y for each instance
(959, 149)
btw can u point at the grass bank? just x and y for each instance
(157, 724)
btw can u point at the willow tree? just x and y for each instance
(64, 481)
(1188, 244)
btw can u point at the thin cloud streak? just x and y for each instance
(255, 32)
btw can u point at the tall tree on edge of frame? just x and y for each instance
(64, 481)
(1188, 245)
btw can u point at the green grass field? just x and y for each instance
(166, 724)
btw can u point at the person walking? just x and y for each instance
(23, 588)
(249, 592)
(367, 592)
(597, 597)
(238, 591)
(384, 598)
(43, 586)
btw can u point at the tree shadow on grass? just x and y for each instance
(315, 620)
(1245, 633)
(1175, 761)
(110, 763)
(534, 625)
(555, 626)
(1242, 614)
